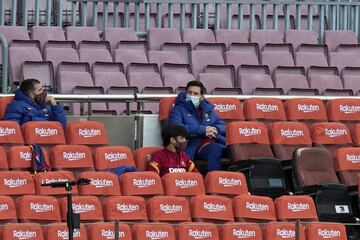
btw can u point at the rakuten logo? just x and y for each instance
(257, 207)
(229, 182)
(328, 234)
(224, 107)
(14, 183)
(88, 133)
(22, 235)
(247, 132)
(113, 157)
(4, 207)
(182, 183)
(153, 235)
(143, 183)
(349, 109)
(127, 208)
(199, 234)
(27, 156)
(353, 158)
(167, 208)
(298, 207)
(305, 108)
(239, 233)
(285, 233)
(211, 207)
(83, 208)
(335, 132)
(74, 156)
(41, 207)
(109, 234)
(46, 132)
(267, 107)
(101, 183)
(64, 234)
(7, 131)
(291, 133)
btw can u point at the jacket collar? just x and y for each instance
(188, 105)
(19, 95)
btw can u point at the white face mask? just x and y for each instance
(194, 99)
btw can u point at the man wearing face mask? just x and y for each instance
(206, 130)
(172, 158)
(31, 103)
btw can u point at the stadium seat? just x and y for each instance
(228, 109)
(346, 162)
(143, 155)
(38, 209)
(141, 184)
(156, 37)
(264, 109)
(192, 231)
(46, 33)
(101, 184)
(15, 183)
(19, 231)
(184, 184)
(79, 34)
(311, 55)
(298, 37)
(242, 54)
(43, 133)
(108, 75)
(176, 75)
(229, 36)
(206, 208)
(350, 77)
(234, 231)
(168, 209)
(8, 210)
(153, 231)
(277, 55)
(116, 35)
(14, 33)
(125, 208)
(307, 110)
(89, 208)
(53, 177)
(292, 208)
(71, 157)
(262, 37)
(42, 71)
(196, 36)
(200, 59)
(56, 231)
(287, 137)
(292, 80)
(4, 165)
(105, 231)
(4, 102)
(183, 49)
(320, 231)
(161, 57)
(279, 231)
(92, 52)
(344, 59)
(89, 133)
(110, 157)
(218, 77)
(356, 135)
(225, 183)
(57, 52)
(10, 133)
(335, 38)
(251, 208)
(346, 111)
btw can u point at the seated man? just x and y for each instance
(206, 130)
(31, 103)
(172, 157)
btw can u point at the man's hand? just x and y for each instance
(211, 132)
(51, 100)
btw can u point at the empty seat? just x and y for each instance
(196, 36)
(254, 208)
(346, 162)
(125, 208)
(141, 184)
(247, 140)
(228, 109)
(225, 183)
(109, 75)
(189, 231)
(87, 133)
(277, 55)
(71, 157)
(53, 177)
(344, 59)
(305, 109)
(110, 157)
(264, 109)
(128, 56)
(298, 37)
(39, 209)
(42, 71)
(291, 208)
(320, 231)
(242, 54)
(92, 52)
(183, 49)
(161, 57)
(16, 183)
(57, 231)
(346, 111)
(10, 133)
(168, 209)
(4, 103)
(43, 133)
(279, 231)
(356, 135)
(183, 184)
(217, 209)
(325, 80)
(14, 33)
(287, 137)
(57, 52)
(350, 78)
(153, 231)
(308, 55)
(101, 184)
(176, 76)
(261, 37)
(143, 156)
(200, 59)
(45, 33)
(89, 208)
(292, 80)
(256, 80)
(79, 34)
(233, 231)
(104, 231)
(229, 36)
(115, 35)
(8, 210)
(4, 159)
(17, 231)
(156, 37)
(335, 38)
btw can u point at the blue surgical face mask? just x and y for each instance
(194, 99)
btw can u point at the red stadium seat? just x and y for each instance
(194, 231)
(4, 160)
(235, 231)
(56, 231)
(21, 231)
(280, 231)
(106, 231)
(71, 157)
(141, 184)
(346, 111)
(7, 210)
(125, 208)
(165, 106)
(52, 177)
(4, 102)
(225, 183)
(347, 165)
(321, 231)
(89, 208)
(10, 133)
(183, 184)
(113, 157)
(228, 109)
(254, 208)
(207, 208)
(356, 135)
(143, 156)
(39, 209)
(168, 209)
(20, 157)
(305, 109)
(101, 184)
(264, 109)
(161, 231)
(43, 133)
(248, 140)
(16, 183)
(291, 208)
(87, 133)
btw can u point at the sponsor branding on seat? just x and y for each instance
(257, 207)
(101, 183)
(167, 208)
(143, 183)
(14, 183)
(353, 158)
(154, 235)
(53, 180)
(212, 207)
(328, 234)
(88, 133)
(298, 207)
(349, 109)
(285, 233)
(199, 234)
(7, 131)
(23, 235)
(64, 234)
(308, 108)
(109, 234)
(186, 183)
(224, 107)
(41, 207)
(113, 157)
(267, 107)
(127, 208)
(4, 207)
(83, 208)
(330, 132)
(239, 233)
(229, 182)
(74, 156)
(291, 133)
(247, 132)
(46, 132)
(177, 170)
(27, 156)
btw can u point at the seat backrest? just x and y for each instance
(229, 36)
(297, 37)
(158, 36)
(79, 34)
(334, 38)
(125, 208)
(225, 183)
(347, 165)
(89, 208)
(16, 183)
(305, 109)
(321, 231)
(57, 54)
(43, 133)
(264, 109)
(195, 36)
(103, 231)
(163, 231)
(141, 184)
(261, 37)
(254, 208)
(87, 133)
(168, 209)
(344, 59)
(343, 110)
(201, 58)
(291, 208)
(113, 157)
(4, 103)
(161, 57)
(45, 33)
(228, 109)
(115, 35)
(143, 156)
(15, 231)
(101, 184)
(94, 55)
(57, 231)
(183, 184)
(10, 133)
(14, 33)
(189, 231)
(356, 135)
(280, 231)
(4, 164)
(234, 231)
(8, 210)
(53, 177)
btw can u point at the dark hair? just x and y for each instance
(28, 85)
(196, 84)
(172, 131)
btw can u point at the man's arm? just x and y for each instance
(175, 118)
(57, 111)
(14, 113)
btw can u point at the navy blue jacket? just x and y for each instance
(184, 113)
(23, 109)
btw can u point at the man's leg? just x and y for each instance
(212, 154)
